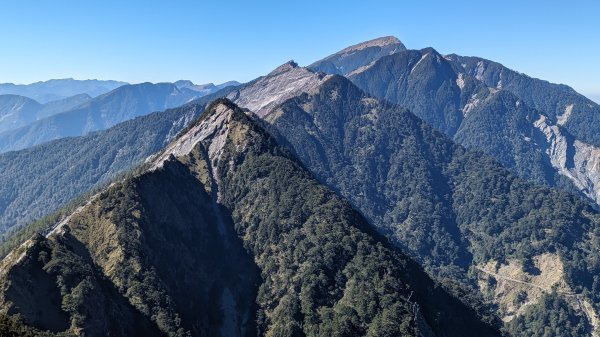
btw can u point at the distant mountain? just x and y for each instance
(204, 89)
(124, 103)
(531, 126)
(358, 56)
(224, 234)
(55, 107)
(18, 111)
(15, 109)
(53, 90)
(470, 222)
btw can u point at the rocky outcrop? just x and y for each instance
(286, 81)
(572, 158)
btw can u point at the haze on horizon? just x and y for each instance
(154, 41)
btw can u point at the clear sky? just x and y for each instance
(216, 41)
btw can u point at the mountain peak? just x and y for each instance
(359, 55)
(384, 41)
(184, 83)
(289, 65)
(286, 81)
(211, 128)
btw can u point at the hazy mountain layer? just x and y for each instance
(17, 111)
(100, 113)
(205, 89)
(52, 90)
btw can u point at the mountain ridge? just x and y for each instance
(339, 301)
(17, 111)
(106, 110)
(45, 91)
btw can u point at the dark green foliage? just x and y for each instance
(334, 275)
(447, 207)
(420, 80)
(453, 95)
(503, 128)
(551, 317)
(389, 165)
(11, 326)
(57, 287)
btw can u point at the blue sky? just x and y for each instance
(216, 41)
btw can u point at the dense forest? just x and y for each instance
(449, 208)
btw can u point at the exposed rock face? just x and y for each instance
(382, 42)
(574, 159)
(215, 128)
(512, 280)
(561, 104)
(283, 83)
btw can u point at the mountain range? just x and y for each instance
(18, 111)
(57, 89)
(25, 123)
(205, 89)
(421, 194)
